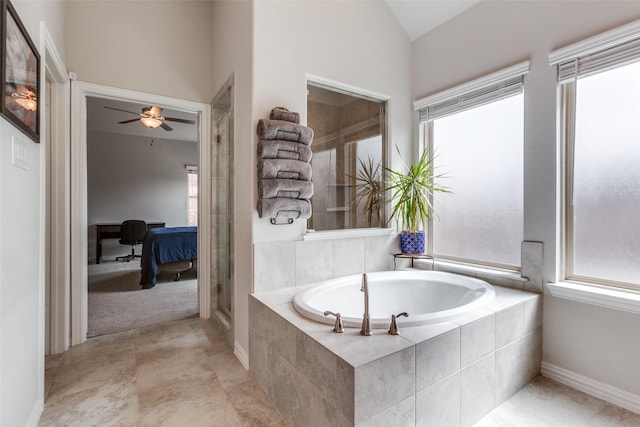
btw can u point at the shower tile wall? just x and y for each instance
(274, 266)
(280, 265)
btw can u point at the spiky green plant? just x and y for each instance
(411, 191)
(369, 189)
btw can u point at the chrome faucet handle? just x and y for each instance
(366, 319)
(393, 328)
(338, 327)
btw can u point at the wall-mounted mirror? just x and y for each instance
(349, 151)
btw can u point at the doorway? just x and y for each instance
(146, 176)
(80, 93)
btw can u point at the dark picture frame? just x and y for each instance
(20, 64)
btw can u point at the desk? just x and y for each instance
(412, 257)
(112, 231)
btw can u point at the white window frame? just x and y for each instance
(358, 92)
(609, 50)
(191, 170)
(490, 88)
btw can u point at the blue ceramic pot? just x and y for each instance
(412, 242)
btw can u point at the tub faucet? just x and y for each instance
(393, 328)
(366, 322)
(338, 328)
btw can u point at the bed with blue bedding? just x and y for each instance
(165, 246)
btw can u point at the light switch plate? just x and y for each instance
(19, 153)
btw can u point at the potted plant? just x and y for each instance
(411, 200)
(369, 189)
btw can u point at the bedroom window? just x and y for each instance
(476, 133)
(601, 133)
(192, 195)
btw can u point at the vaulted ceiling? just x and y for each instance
(418, 17)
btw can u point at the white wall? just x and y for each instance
(232, 49)
(130, 178)
(158, 47)
(289, 41)
(21, 237)
(491, 36)
(20, 233)
(351, 42)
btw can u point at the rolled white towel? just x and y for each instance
(278, 129)
(281, 113)
(291, 188)
(284, 169)
(279, 149)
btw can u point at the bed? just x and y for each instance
(169, 248)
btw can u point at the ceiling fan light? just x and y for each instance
(150, 122)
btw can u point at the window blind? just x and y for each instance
(474, 98)
(484, 90)
(599, 61)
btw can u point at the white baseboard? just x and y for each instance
(593, 387)
(241, 354)
(36, 412)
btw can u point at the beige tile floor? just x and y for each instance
(183, 374)
(545, 403)
(176, 374)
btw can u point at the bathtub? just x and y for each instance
(427, 296)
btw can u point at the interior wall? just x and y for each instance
(372, 53)
(129, 177)
(21, 247)
(292, 40)
(491, 36)
(159, 47)
(232, 49)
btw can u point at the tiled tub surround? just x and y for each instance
(445, 374)
(287, 264)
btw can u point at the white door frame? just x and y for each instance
(79, 227)
(53, 68)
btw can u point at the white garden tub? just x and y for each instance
(427, 296)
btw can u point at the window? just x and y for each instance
(476, 133)
(601, 100)
(192, 195)
(349, 147)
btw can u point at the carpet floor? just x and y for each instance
(117, 303)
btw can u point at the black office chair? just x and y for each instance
(132, 233)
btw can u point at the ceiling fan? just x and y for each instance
(151, 117)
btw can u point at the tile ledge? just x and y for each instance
(346, 233)
(473, 269)
(613, 298)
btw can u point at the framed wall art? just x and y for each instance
(20, 74)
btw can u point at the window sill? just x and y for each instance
(613, 298)
(344, 234)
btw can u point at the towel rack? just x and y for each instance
(274, 221)
(284, 177)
